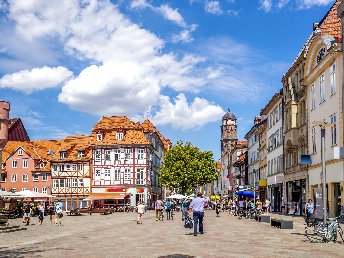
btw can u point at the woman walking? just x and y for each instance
(51, 209)
(140, 211)
(41, 210)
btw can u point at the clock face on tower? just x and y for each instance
(321, 55)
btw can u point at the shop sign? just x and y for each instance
(262, 182)
(115, 190)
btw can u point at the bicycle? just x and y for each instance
(318, 231)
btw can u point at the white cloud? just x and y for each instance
(232, 12)
(139, 4)
(213, 7)
(311, 3)
(172, 15)
(266, 5)
(36, 79)
(184, 35)
(282, 3)
(181, 115)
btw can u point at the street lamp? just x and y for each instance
(254, 186)
(323, 125)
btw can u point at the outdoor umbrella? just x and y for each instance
(245, 193)
(176, 196)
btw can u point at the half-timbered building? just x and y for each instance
(70, 172)
(126, 156)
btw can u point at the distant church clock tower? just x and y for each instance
(228, 132)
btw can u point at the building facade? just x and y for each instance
(275, 165)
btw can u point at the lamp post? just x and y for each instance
(323, 125)
(254, 186)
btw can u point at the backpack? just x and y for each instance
(168, 205)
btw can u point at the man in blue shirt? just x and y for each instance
(197, 206)
(309, 209)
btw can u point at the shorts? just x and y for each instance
(27, 215)
(60, 215)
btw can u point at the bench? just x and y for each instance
(263, 218)
(74, 212)
(102, 211)
(282, 224)
(4, 220)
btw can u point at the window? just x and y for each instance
(25, 163)
(41, 165)
(68, 182)
(333, 78)
(127, 174)
(81, 154)
(107, 173)
(67, 167)
(81, 182)
(117, 174)
(321, 88)
(313, 96)
(62, 183)
(14, 163)
(44, 190)
(99, 137)
(45, 177)
(97, 174)
(3, 177)
(107, 155)
(74, 182)
(74, 167)
(97, 155)
(54, 167)
(127, 154)
(14, 178)
(119, 136)
(56, 183)
(35, 177)
(25, 178)
(314, 146)
(333, 119)
(79, 167)
(24, 189)
(117, 154)
(20, 152)
(63, 154)
(35, 189)
(139, 176)
(140, 153)
(61, 167)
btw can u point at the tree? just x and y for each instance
(185, 167)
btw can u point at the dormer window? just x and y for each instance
(81, 154)
(41, 165)
(119, 136)
(99, 137)
(20, 152)
(63, 154)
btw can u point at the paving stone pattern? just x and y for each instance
(118, 235)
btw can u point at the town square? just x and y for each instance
(155, 128)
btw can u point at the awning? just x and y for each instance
(105, 196)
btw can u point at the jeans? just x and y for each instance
(184, 211)
(198, 218)
(168, 213)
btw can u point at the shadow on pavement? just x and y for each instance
(177, 256)
(20, 252)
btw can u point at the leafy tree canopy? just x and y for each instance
(185, 167)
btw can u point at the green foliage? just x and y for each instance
(185, 167)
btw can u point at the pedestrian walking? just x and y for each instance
(159, 205)
(185, 206)
(141, 207)
(59, 213)
(197, 207)
(217, 209)
(41, 210)
(267, 206)
(27, 213)
(168, 208)
(309, 210)
(51, 212)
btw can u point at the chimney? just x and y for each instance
(4, 116)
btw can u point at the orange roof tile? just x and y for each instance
(115, 122)
(148, 126)
(130, 137)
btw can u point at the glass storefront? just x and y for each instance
(296, 197)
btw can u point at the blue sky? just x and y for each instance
(64, 63)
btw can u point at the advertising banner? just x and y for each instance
(318, 213)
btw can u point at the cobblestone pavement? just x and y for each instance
(118, 235)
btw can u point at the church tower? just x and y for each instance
(228, 132)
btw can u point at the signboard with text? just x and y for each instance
(318, 213)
